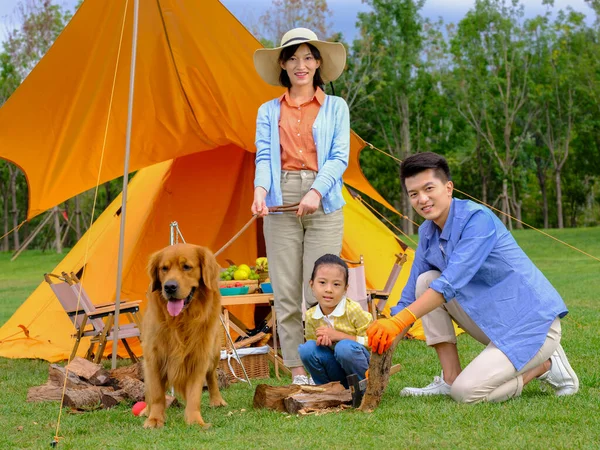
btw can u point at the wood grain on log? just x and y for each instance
(44, 393)
(379, 376)
(133, 371)
(275, 397)
(112, 398)
(271, 397)
(83, 398)
(56, 376)
(222, 379)
(94, 373)
(315, 401)
(134, 389)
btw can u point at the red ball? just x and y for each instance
(138, 408)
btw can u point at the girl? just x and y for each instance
(336, 328)
(302, 148)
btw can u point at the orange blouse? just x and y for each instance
(298, 149)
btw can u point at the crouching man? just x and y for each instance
(469, 268)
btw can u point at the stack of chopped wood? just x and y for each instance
(329, 397)
(88, 386)
(295, 399)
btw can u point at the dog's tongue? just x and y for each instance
(175, 306)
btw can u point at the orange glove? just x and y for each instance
(382, 332)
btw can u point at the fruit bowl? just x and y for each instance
(266, 288)
(241, 290)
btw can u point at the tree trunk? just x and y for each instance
(5, 242)
(108, 196)
(516, 205)
(411, 218)
(482, 173)
(406, 152)
(559, 209)
(57, 240)
(77, 218)
(404, 209)
(13, 172)
(505, 207)
(541, 176)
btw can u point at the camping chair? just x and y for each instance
(372, 300)
(89, 319)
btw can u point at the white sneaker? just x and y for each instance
(561, 376)
(438, 387)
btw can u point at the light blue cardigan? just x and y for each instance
(331, 132)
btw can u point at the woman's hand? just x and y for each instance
(309, 203)
(259, 206)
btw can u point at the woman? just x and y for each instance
(302, 148)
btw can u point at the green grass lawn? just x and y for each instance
(536, 420)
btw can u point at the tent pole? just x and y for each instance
(125, 182)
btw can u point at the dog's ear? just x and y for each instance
(153, 271)
(210, 269)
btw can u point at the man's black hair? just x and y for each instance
(287, 53)
(420, 162)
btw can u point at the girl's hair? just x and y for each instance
(329, 259)
(287, 53)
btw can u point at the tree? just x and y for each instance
(557, 89)
(491, 86)
(392, 33)
(287, 14)
(40, 24)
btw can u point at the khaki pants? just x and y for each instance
(490, 376)
(293, 245)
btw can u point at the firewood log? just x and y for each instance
(112, 398)
(44, 393)
(94, 373)
(132, 371)
(271, 397)
(315, 401)
(379, 376)
(133, 389)
(83, 398)
(56, 376)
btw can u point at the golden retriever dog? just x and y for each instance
(181, 331)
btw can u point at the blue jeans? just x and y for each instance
(326, 364)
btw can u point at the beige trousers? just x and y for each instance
(490, 376)
(293, 245)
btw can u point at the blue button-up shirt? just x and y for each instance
(490, 276)
(331, 132)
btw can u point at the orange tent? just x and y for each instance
(196, 97)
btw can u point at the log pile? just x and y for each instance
(88, 386)
(303, 400)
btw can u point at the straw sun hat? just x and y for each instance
(333, 55)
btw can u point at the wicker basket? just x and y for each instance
(256, 365)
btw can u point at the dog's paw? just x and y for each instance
(217, 402)
(196, 419)
(154, 422)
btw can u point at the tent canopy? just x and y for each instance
(195, 90)
(196, 98)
